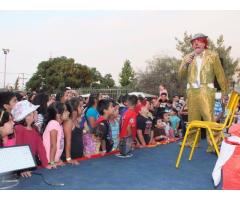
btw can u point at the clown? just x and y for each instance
(229, 161)
(200, 68)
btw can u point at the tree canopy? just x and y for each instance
(61, 72)
(127, 75)
(160, 70)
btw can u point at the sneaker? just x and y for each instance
(129, 155)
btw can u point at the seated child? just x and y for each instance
(175, 120)
(159, 131)
(167, 125)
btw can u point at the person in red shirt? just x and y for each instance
(128, 130)
(24, 117)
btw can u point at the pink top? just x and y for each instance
(54, 125)
(9, 142)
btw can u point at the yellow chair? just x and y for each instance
(210, 127)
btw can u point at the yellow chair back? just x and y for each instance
(231, 108)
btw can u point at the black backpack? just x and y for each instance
(103, 130)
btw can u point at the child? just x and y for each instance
(53, 136)
(115, 126)
(228, 161)
(26, 134)
(128, 128)
(7, 102)
(169, 106)
(73, 147)
(159, 131)
(102, 131)
(175, 120)
(123, 105)
(6, 125)
(41, 99)
(162, 89)
(144, 127)
(167, 125)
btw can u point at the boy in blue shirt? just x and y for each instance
(175, 120)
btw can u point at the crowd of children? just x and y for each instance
(62, 128)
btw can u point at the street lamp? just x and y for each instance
(5, 51)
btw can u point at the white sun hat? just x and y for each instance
(22, 109)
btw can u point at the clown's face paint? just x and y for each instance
(198, 46)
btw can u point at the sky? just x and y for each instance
(105, 39)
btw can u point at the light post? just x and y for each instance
(5, 51)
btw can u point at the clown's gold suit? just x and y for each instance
(200, 89)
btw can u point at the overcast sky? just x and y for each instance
(104, 39)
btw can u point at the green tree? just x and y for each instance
(58, 73)
(127, 75)
(160, 70)
(107, 81)
(229, 64)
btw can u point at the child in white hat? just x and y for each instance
(26, 134)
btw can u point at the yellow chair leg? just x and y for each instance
(213, 141)
(182, 147)
(194, 144)
(222, 134)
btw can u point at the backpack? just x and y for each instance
(103, 130)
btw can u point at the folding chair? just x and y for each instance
(210, 127)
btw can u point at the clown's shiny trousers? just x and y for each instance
(201, 107)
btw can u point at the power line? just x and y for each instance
(15, 73)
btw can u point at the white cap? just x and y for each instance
(22, 109)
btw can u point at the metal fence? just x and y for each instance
(114, 93)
